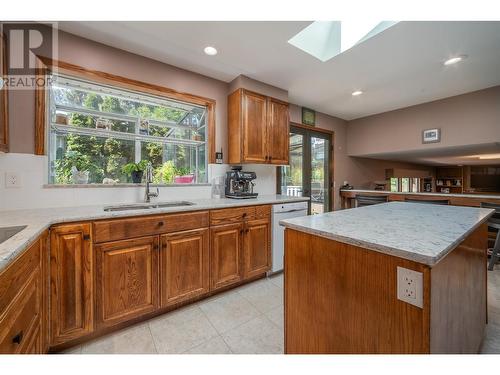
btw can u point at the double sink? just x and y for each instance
(8, 232)
(146, 206)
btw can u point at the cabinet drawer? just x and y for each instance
(231, 215)
(22, 319)
(262, 212)
(17, 274)
(119, 229)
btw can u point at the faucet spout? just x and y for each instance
(149, 179)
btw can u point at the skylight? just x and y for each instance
(326, 39)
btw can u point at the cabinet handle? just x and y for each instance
(18, 338)
(161, 223)
(241, 231)
(248, 230)
(270, 158)
(244, 214)
(86, 237)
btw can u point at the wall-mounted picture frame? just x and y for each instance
(308, 116)
(431, 135)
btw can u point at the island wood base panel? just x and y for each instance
(342, 299)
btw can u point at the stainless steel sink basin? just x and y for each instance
(172, 204)
(146, 206)
(8, 232)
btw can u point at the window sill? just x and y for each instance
(100, 186)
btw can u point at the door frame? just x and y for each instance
(303, 129)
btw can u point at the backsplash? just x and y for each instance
(32, 173)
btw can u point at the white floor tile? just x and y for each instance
(215, 345)
(181, 330)
(263, 294)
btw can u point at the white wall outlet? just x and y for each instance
(410, 286)
(12, 180)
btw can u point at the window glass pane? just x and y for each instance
(97, 130)
(405, 185)
(394, 184)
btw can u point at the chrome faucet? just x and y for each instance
(149, 179)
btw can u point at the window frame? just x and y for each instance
(46, 66)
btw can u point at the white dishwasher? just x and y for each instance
(281, 212)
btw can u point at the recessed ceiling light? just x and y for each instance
(489, 156)
(211, 51)
(455, 60)
(357, 93)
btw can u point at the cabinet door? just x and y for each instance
(71, 292)
(225, 255)
(257, 247)
(278, 132)
(254, 127)
(126, 279)
(184, 267)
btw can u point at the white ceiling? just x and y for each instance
(400, 67)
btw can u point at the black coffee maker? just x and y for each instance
(239, 184)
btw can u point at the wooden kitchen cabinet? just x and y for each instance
(71, 289)
(258, 128)
(22, 305)
(184, 265)
(4, 118)
(257, 247)
(225, 255)
(127, 274)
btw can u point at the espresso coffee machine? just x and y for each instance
(239, 184)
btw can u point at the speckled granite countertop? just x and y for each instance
(424, 233)
(38, 220)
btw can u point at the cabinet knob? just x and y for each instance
(161, 223)
(248, 230)
(86, 237)
(244, 214)
(18, 338)
(241, 231)
(270, 158)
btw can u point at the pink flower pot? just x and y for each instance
(186, 179)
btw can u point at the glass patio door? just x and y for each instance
(308, 173)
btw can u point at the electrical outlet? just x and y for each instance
(12, 180)
(410, 286)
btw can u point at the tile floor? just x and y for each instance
(247, 320)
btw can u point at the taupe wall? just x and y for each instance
(96, 56)
(468, 119)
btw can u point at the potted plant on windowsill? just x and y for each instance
(135, 170)
(183, 175)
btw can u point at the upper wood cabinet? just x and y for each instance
(258, 128)
(126, 279)
(184, 266)
(4, 118)
(71, 275)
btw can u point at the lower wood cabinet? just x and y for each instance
(22, 306)
(127, 276)
(184, 265)
(71, 282)
(225, 255)
(257, 247)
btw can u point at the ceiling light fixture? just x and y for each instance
(357, 93)
(455, 60)
(489, 156)
(210, 51)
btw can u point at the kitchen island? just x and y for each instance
(348, 274)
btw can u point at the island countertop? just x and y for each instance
(423, 233)
(40, 219)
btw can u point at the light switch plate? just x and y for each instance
(12, 180)
(410, 286)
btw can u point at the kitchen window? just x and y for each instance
(405, 184)
(95, 131)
